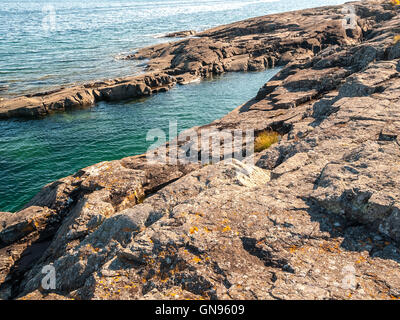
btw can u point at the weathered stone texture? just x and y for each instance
(316, 216)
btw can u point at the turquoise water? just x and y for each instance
(36, 152)
(47, 43)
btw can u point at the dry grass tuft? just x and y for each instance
(265, 139)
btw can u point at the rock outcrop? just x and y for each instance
(181, 34)
(315, 216)
(263, 42)
(42, 104)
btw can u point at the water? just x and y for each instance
(36, 152)
(48, 43)
(44, 43)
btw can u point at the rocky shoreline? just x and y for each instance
(41, 104)
(250, 45)
(315, 216)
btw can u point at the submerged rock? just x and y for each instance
(181, 34)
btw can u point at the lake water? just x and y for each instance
(48, 43)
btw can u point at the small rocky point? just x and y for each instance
(181, 34)
(315, 216)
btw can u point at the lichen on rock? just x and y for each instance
(296, 221)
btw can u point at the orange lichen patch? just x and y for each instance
(361, 259)
(132, 197)
(36, 224)
(172, 272)
(349, 295)
(149, 260)
(196, 260)
(226, 229)
(88, 249)
(207, 230)
(193, 230)
(396, 39)
(395, 2)
(164, 280)
(303, 249)
(326, 247)
(382, 294)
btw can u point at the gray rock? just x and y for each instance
(316, 217)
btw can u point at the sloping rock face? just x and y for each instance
(316, 216)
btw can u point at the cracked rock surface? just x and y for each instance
(315, 216)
